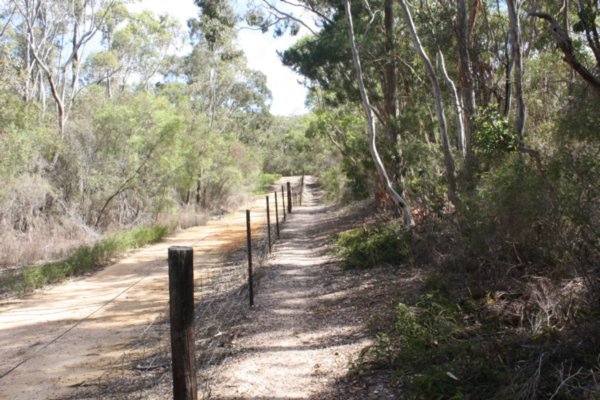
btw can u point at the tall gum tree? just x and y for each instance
(439, 106)
(513, 7)
(399, 200)
(67, 28)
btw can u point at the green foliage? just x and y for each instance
(333, 183)
(424, 347)
(85, 259)
(286, 149)
(368, 247)
(342, 129)
(493, 133)
(264, 182)
(425, 185)
(579, 121)
(514, 196)
(446, 348)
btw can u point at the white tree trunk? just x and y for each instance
(466, 75)
(460, 127)
(371, 127)
(439, 106)
(515, 43)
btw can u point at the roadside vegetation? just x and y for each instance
(85, 259)
(472, 125)
(497, 183)
(103, 143)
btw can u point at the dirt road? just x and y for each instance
(61, 337)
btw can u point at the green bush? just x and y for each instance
(264, 182)
(450, 348)
(493, 132)
(85, 259)
(367, 247)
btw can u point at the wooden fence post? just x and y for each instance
(181, 310)
(269, 224)
(249, 240)
(289, 193)
(301, 188)
(276, 215)
(283, 202)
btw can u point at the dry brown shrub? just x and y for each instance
(34, 226)
(45, 239)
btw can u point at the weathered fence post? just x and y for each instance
(276, 215)
(181, 310)
(269, 224)
(283, 202)
(249, 240)
(301, 188)
(289, 193)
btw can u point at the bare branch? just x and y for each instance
(439, 107)
(289, 16)
(309, 8)
(461, 140)
(12, 13)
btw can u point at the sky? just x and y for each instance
(261, 53)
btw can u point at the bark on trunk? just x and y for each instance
(466, 74)
(391, 108)
(508, 80)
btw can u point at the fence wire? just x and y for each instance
(221, 302)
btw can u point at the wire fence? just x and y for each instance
(221, 302)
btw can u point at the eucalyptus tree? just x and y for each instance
(439, 106)
(55, 34)
(371, 128)
(587, 33)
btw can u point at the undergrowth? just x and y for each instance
(369, 246)
(85, 259)
(442, 347)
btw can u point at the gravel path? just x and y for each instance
(300, 337)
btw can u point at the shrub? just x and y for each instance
(264, 182)
(367, 247)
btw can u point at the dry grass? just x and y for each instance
(44, 240)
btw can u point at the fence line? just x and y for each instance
(221, 296)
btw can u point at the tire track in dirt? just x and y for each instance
(65, 335)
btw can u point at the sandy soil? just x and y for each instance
(61, 337)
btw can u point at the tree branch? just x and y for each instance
(565, 43)
(289, 16)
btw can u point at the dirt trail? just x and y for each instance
(61, 337)
(299, 337)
